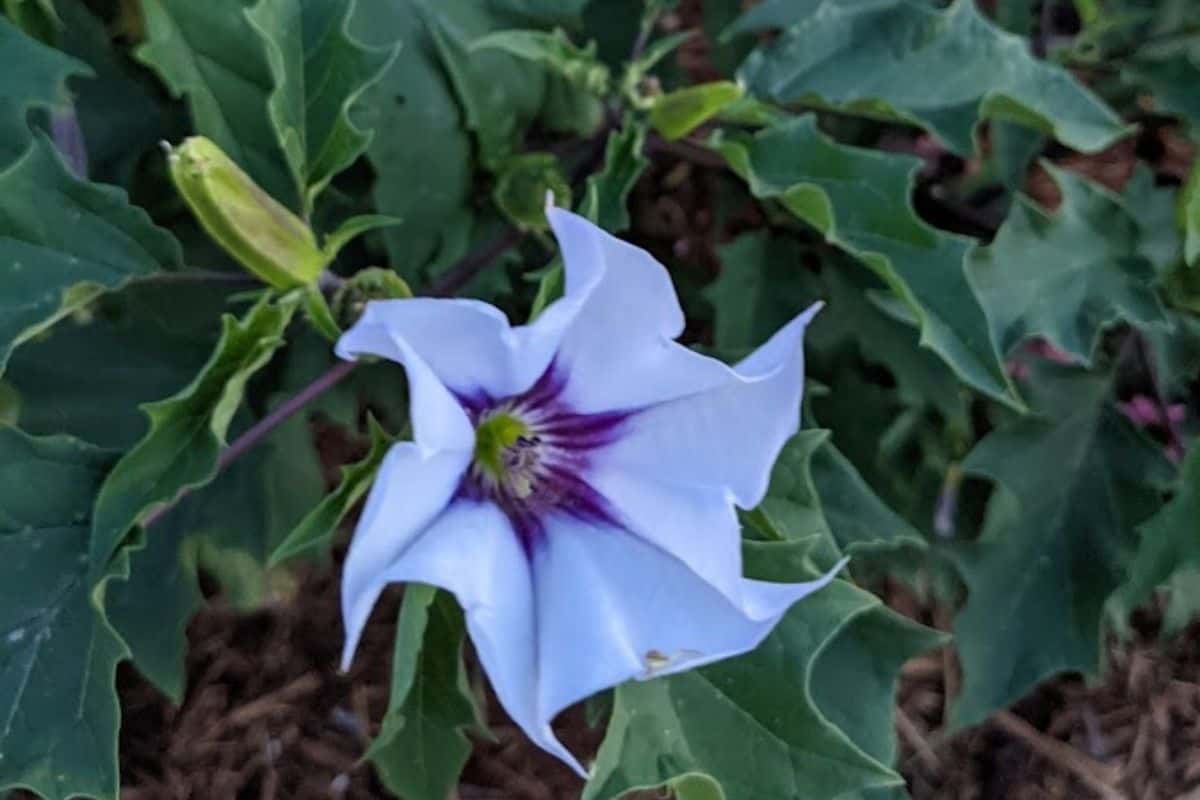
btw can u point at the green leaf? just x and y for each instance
(210, 54)
(187, 430)
(1066, 276)
(1171, 81)
(88, 374)
(763, 283)
(1189, 213)
(63, 241)
(1170, 540)
(678, 113)
(606, 197)
(36, 17)
(58, 654)
(751, 723)
(421, 749)
(424, 179)
(876, 59)
(815, 490)
(556, 51)
(522, 185)
(317, 528)
(1076, 481)
(604, 201)
(122, 113)
(854, 682)
(859, 200)
(35, 78)
(318, 72)
(225, 528)
(354, 227)
(861, 523)
(922, 379)
(1154, 208)
(500, 94)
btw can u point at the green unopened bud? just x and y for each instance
(260, 233)
(521, 188)
(372, 283)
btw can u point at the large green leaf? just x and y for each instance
(1066, 276)
(763, 284)
(318, 71)
(500, 94)
(815, 490)
(854, 680)
(34, 77)
(859, 200)
(58, 654)
(187, 430)
(855, 317)
(1075, 482)
(422, 155)
(1170, 540)
(227, 528)
(209, 53)
(421, 749)
(878, 58)
(63, 241)
(1171, 80)
(751, 722)
(121, 113)
(88, 374)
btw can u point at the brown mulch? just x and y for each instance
(267, 715)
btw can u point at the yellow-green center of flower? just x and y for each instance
(494, 437)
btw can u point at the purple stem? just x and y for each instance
(257, 432)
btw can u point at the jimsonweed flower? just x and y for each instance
(573, 481)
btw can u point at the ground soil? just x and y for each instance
(267, 715)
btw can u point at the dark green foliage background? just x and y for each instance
(968, 426)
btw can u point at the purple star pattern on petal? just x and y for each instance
(573, 482)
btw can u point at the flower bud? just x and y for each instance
(260, 233)
(372, 283)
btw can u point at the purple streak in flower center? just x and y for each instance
(542, 468)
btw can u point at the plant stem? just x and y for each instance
(257, 432)
(200, 276)
(472, 264)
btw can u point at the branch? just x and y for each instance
(257, 432)
(472, 264)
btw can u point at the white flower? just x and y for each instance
(573, 481)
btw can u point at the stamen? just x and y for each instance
(531, 457)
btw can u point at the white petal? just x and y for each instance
(410, 492)
(438, 419)
(472, 551)
(468, 345)
(619, 350)
(697, 525)
(611, 607)
(728, 435)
